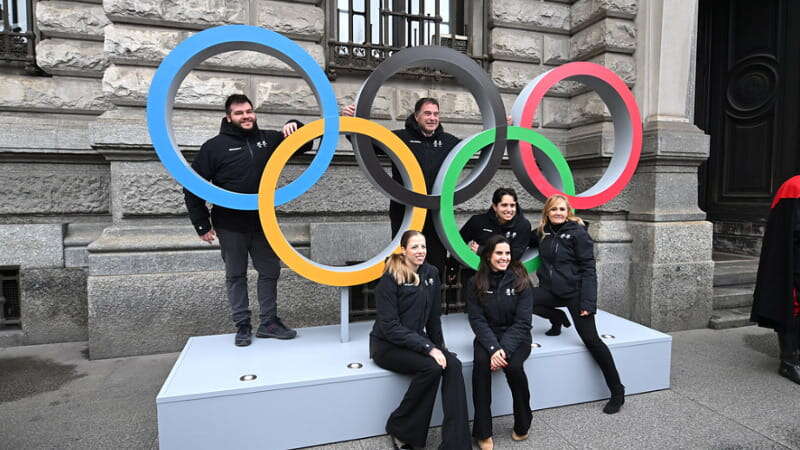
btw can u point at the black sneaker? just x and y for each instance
(275, 329)
(244, 335)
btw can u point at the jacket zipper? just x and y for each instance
(249, 149)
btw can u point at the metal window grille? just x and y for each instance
(362, 297)
(369, 31)
(17, 38)
(9, 298)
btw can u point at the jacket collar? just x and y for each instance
(230, 129)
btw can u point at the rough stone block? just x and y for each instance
(148, 46)
(293, 20)
(513, 76)
(39, 132)
(65, 18)
(586, 12)
(665, 193)
(540, 16)
(382, 105)
(347, 242)
(53, 305)
(66, 57)
(615, 35)
(54, 189)
(156, 313)
(32, 245)
(587, 108)
(515, 45)
(79, 95)
(146, 189)
(130, 86)
(188, 13)
(623, 65)
(555, 49)
(556, 112)
(285, 95)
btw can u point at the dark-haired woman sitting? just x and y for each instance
(407, 338)
(499, 304)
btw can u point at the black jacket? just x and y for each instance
(481, 227)
(233, 160)
(430, 152)
(501, 318)
(568, 266)
(409, 316)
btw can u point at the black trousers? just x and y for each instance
(789, 342)
(482, 391)
(235, 247)
(545, 304)
(411, 420)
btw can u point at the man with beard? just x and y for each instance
(234, 160)
(425, 136)
(775, 300)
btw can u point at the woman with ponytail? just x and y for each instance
(407, 338)
(499, 305)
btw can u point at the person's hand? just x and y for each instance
(209, 237)
(438, 356)
(509, 120)
(289, 128)
(584, 313)
(498, 360)
(349, 110)
(473, 245)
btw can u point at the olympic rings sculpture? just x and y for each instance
(536, 162)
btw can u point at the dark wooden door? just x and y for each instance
(747, 99)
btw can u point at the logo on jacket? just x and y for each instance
(233, 149)
(262, 144)
(566, 236)
(437, 143)
(511, 291)
(511, 234)
(429, 282)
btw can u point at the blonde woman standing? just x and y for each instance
(567, 277)
(407, 338)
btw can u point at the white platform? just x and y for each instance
(305, 394)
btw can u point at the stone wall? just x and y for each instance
(86, 162)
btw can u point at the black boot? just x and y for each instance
(790, 365)
(555, 328)
(244, 334)
(616, 401)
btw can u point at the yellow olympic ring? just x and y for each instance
(324, 274)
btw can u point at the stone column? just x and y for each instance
(672, 269)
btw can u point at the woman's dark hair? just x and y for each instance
(485, 268)
(499, 193)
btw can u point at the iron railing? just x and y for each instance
(17, 39)
(369, 31)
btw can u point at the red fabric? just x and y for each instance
(796, 305)
(789, 189)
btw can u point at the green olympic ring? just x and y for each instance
(447, 180)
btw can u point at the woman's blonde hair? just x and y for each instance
(396, 262)
(549, 204)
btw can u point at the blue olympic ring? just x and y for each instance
(190, 53)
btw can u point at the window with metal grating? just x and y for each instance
(9, 299)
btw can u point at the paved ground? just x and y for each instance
(725, 394)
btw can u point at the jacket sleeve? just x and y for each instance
(468, 230)
(389, 319)
(479, 323)
(198, 211)
(584, 254)
(521, 241)
(308, 146)
(433, 326)
(520, 331)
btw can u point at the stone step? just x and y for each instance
(730, 318)
(735, 273)
(726, 297)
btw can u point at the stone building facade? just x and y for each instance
(98, 231)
